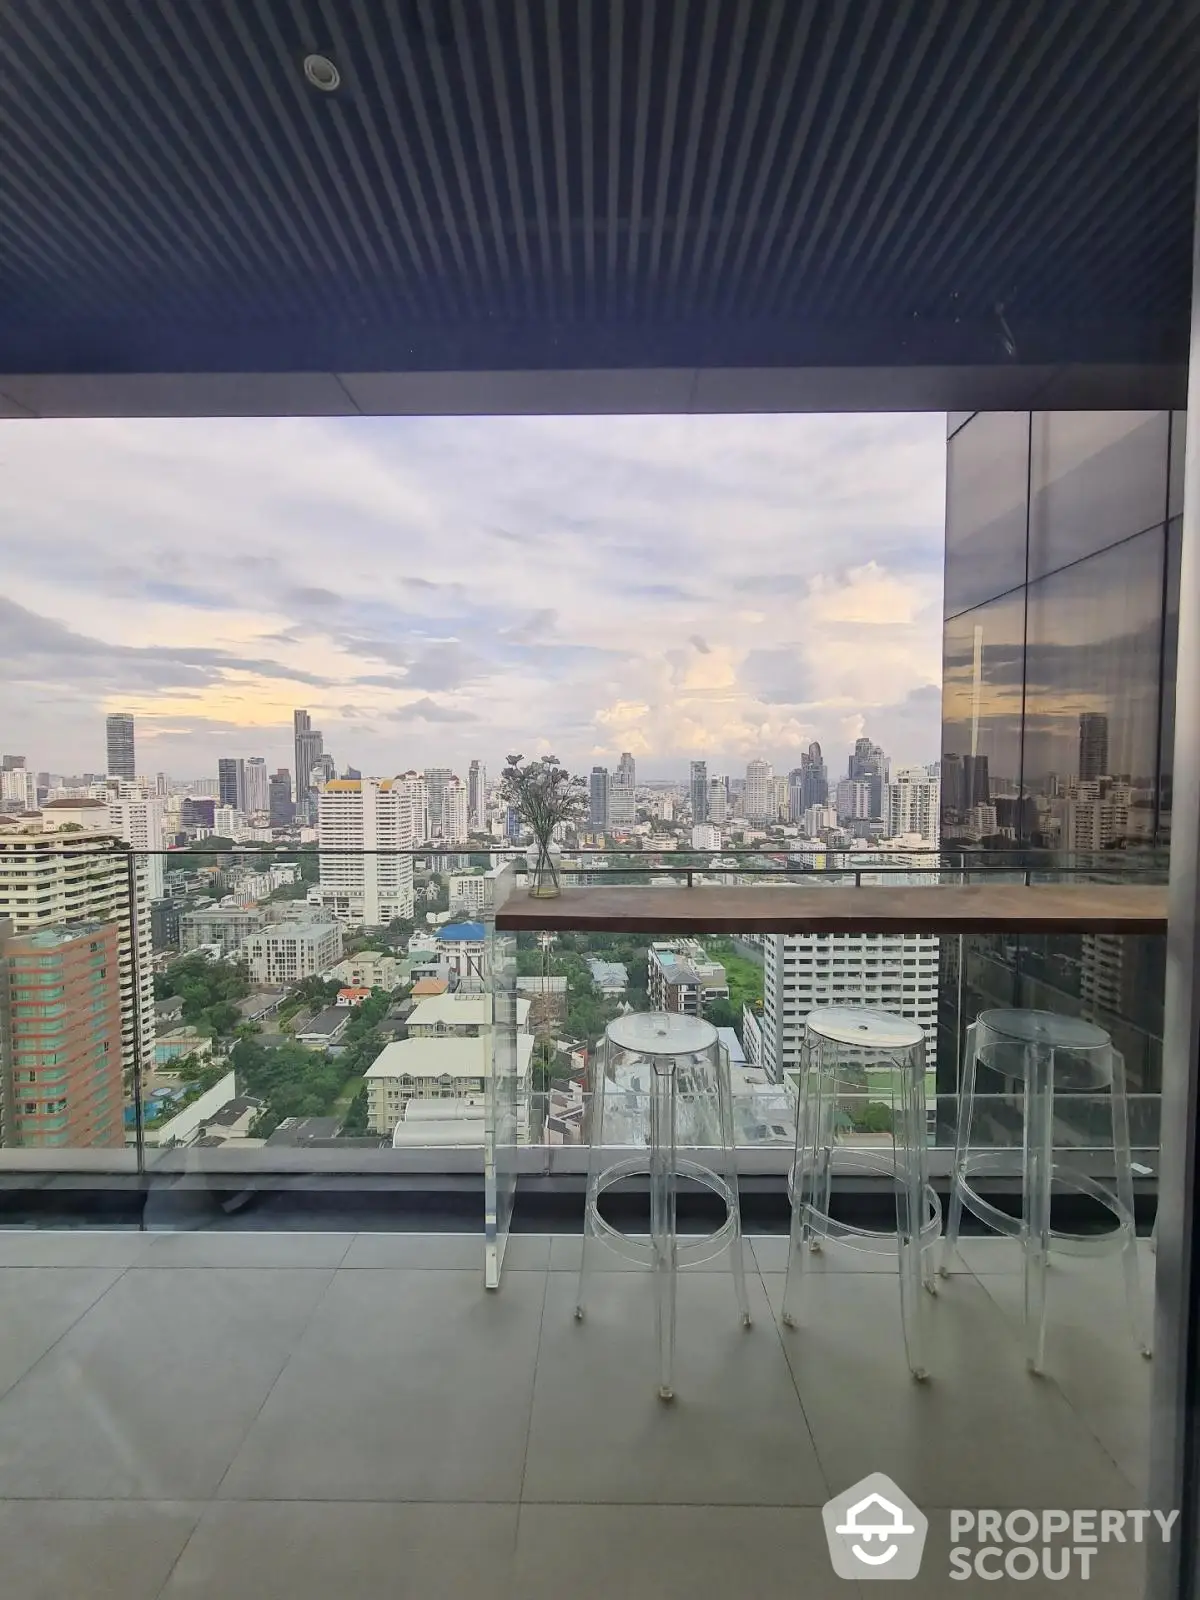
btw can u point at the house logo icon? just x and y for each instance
(874, 1531)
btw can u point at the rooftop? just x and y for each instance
(452, 1056)
(462, 932)
(459, 1011)
(328, 1022)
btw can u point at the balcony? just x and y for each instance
(248, 1414)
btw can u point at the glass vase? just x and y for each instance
(544, 882)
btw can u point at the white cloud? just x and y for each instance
(680, 585)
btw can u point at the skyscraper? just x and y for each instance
(231, 782)
(477, 794)
(814, 779)
(699, 791)
(758, 791)
(437, 778)
(871, 765)
(279, 798)
(118, 729)
(627, 771)
(598, 799)
(454, 811)
(718, 801)
(309, 749)
(914, 805)
(256, 794)
(1093, 745)
(358, 817)
(139, 821)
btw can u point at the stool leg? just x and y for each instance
(595, 1170)
(807, 1154)
(729, 1150)
(962, 1145)
(1038, 1188)
(908, 1139)
(1123, 1161)
(662, 1222)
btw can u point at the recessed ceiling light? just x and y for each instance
(322, 73)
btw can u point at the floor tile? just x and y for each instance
(408, 1385)
(981, 1431)
(70, 1247)
(215, 1248)
(566, 1250)
(101, 1549)
(673, 1553)
(38, 1305)
(306, 1551)
(1090, 1353)
(771, 1253)
(462, 1252)
(733, 1435)
(151, 1392)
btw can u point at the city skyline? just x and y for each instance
(717, 587)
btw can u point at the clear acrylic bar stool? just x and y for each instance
(857, 1056)
(664, 1084)
(1045, 1054)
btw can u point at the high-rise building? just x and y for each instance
(699, 791)
(795, 794)
(758, 791)
(436, 779)
(60, 1037)
(627, 771)
(231, 782)
(309, 749)
(598, 799)
(477, 794)
(18, 786)
(1093, 745)
(455, 823)
(853, 799)
(69, 865)
(11, 763)
(118, 730)
(814, 779)
(718, 801)
(414, 787)
(869, 764)
(256, 794)
(366, 834)
(161, 786)
(622, 805)
(914, 805)
(138, 820)
(895, 972)
(279, 798)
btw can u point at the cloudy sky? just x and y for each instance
(434, 589)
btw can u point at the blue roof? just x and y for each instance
(471, 932)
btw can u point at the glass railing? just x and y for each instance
(258, 1021)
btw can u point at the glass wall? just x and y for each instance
(1061, 600)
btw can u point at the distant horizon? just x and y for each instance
(678, 586)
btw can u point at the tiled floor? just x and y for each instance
(285, 1416)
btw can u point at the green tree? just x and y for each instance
(355, 1122)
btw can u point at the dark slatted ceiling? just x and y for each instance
(507, 183)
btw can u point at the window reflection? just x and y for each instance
(1170, 664)
(1092, 698)
(985, 508)
(1096, 477)
(982, 674)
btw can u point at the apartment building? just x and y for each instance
(448, 1069)
(226, 926)
(457, 1015)
(289, 951)
(914, 805)
(370, 970)
(895, 972)
(682, 977)
(361, 821)
(61, 1083)
(138, 819)
(64, 865)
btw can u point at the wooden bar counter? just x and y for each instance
(933, 908)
